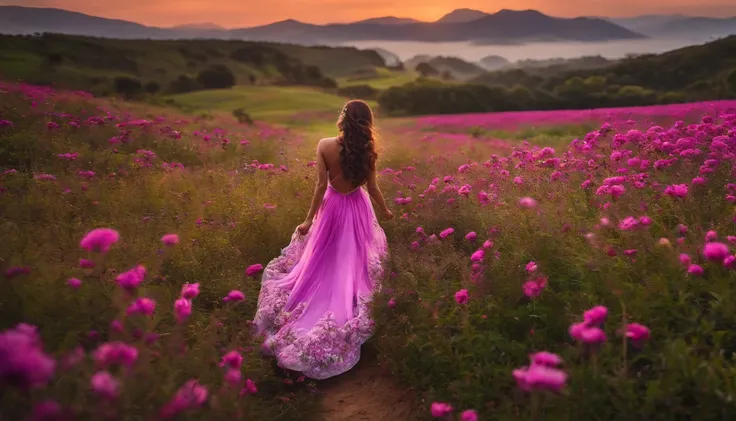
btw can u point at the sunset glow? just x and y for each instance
(239, 13)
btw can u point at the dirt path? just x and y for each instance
(366, 393)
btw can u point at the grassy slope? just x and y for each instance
(384, 79)
(161, 61)
(277, 104)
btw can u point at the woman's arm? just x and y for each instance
(375, 192)
(319, 190)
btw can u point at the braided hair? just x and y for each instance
(357, 138)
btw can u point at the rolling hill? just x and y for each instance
(679, 25)
(504, 25)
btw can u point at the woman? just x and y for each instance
(313, 305)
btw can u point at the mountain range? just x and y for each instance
(459, 25)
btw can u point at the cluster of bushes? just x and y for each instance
(697, 73)
(292, 70)
(359, 92)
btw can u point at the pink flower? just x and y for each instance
(232, 359)
(47, 410)
(191, 395)
(469, 415)
(595, 316)
(487, 244)
(189, 291)
(637, 333)
(685, 259)
(74, 283)
(144, 306)
(233, 376)
(249, 388)
(131, 279)
(115, 353)
(391, 303)
(100, 240)
(730, 262)
(461, 297)
(170, 239)
(234, 296)
(695, 270)
(540, 377)
(531, 267)
(182, 309)
(534, 287)
(22, 360)
(105, 385)
(478, 256)
(545, 358)
(715, 252)
(593, 335)
(440, 409)
(86, 264)
(471, 236)
(676, 190)
(253, 269)
(446, 233)
(527, 202)
(711, 236)
(17, 270)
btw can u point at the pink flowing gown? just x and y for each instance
(313, 308)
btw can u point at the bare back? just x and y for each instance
(330, 149)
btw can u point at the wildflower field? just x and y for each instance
(587, 280)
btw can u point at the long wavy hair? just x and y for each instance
(358, 139)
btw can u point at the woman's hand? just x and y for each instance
(388, 215)
(303, 228)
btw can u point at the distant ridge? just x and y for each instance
(503, 26)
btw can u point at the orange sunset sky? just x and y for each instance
(239, 13)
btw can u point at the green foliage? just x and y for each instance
(152, 87)
(242, 116)
(359, 92)
(127, 86)
(217, 76)
(426, 70)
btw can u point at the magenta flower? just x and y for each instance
(253, 269)
(711, 236)
(182, 309)
(471, 236)
(478, 256)
(105, 385)
(131, 279)
(440, 409)
(540, 377)
(170, 239)
(461, 297)
(119, 353)
(595, 316)
(715, 252)
(144, 306)
(534, 287)
(22, 360)
(17, 270)
(232, 359)
(469, 415)
(531, 267)
(527, 202)
(191, 395)
(47, 410)
(74, 283)
(100, 240)
(545, 358)
(189, 291)
(685, 259)
(637, 333)
(593, 335)
(233, 296)
(391, 303)
(86, 264)
(730, 262)
(676, 190)
(233, 376)
(446, 233)
(695, 270)
(249, 388)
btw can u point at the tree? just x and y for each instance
(217, 76)
(182, 85)
(242, 116)
(426, 70)
(152, 87)
(127, 86)
(731, 82)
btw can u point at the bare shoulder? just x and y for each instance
(327, 144)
